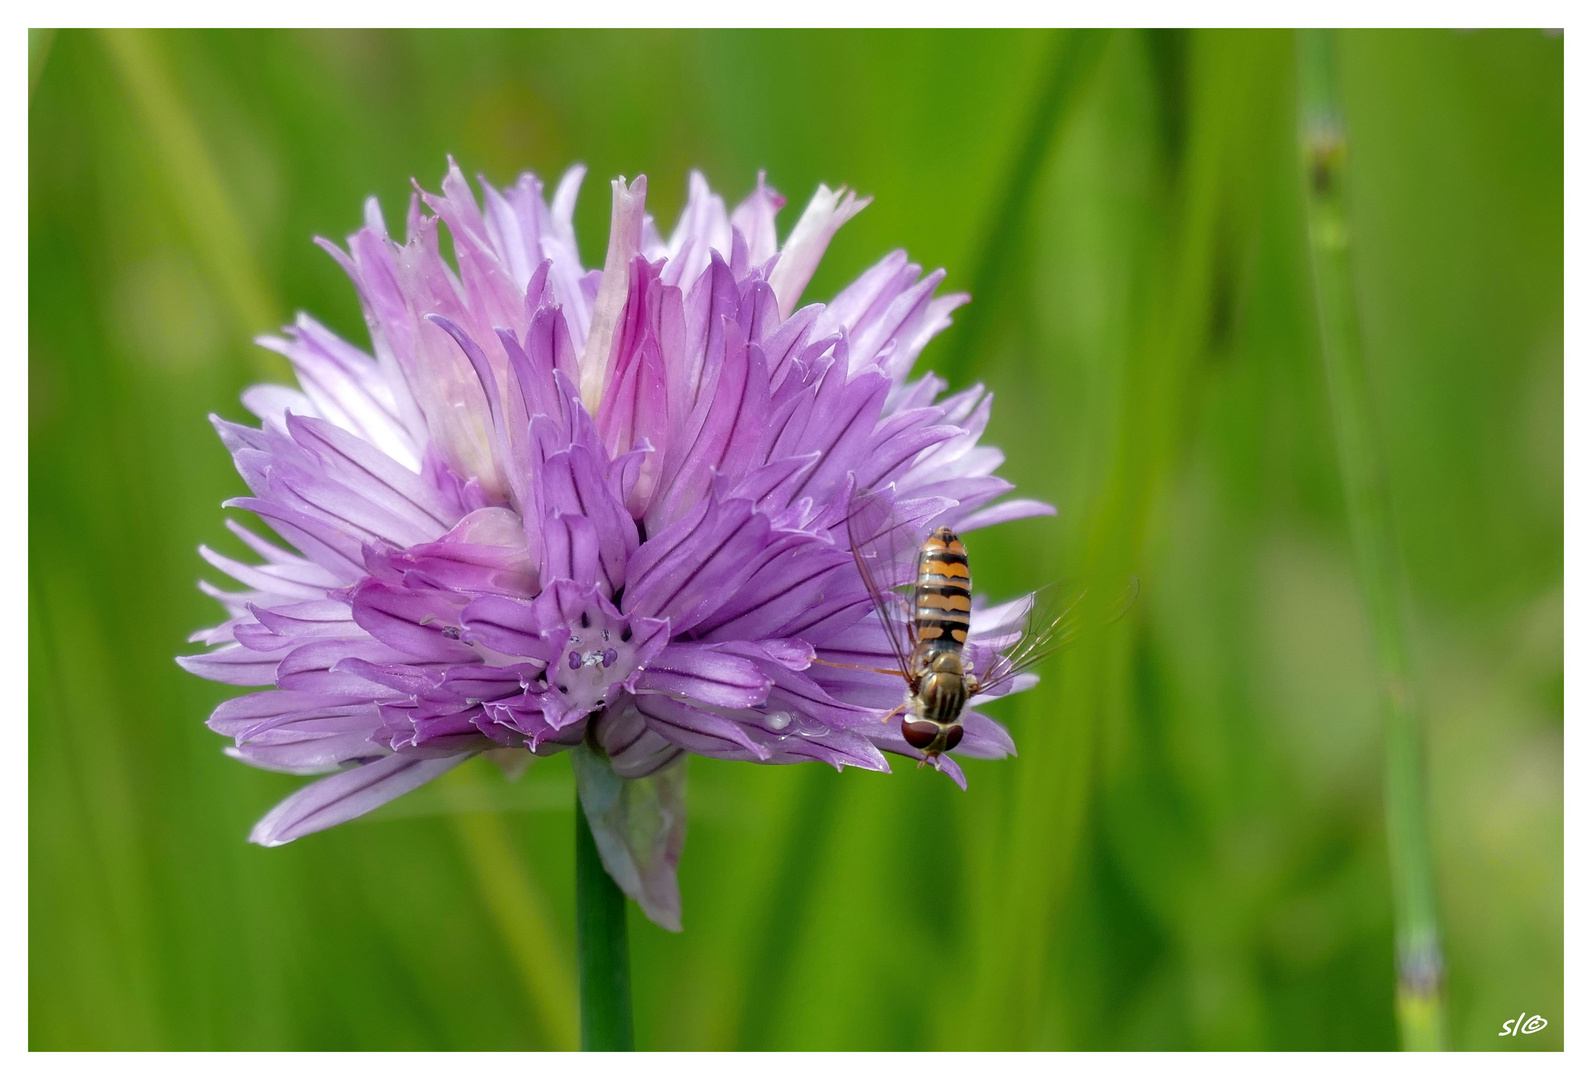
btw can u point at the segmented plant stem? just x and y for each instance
(604, 947)
(1325, 147)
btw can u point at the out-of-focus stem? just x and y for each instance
(604, 946)
(1076, 58)
(215, 228)
(39, 42)
(767, 964)
(1325, 146)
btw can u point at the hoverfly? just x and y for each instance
(926, 609)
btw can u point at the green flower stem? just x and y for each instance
(604, 947)
(1369, 507)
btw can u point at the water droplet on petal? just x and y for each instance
(778, 721)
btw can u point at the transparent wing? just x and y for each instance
(1053, 619)
(885, 545)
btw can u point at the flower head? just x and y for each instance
(604, 510)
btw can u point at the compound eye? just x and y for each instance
(919, 733)
(953, 735)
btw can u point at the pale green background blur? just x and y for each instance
(1190, 851)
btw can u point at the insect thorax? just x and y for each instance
(942, 689)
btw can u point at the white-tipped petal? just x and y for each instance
(808, 241)
(624, 244)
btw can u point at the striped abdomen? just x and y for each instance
(942, 600)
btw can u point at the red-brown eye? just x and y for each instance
(953, 735)
(919, 733)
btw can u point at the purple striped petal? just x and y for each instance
(422, 623)
(754, 219)
(323, 666)
(836, 748)
(1000, 513)
(576, 481)
(704, 674)
(347, 795)
(236, 665)
(634, 750)
(357, 464)
(984, 738)
(507, 626)
(688, 571)
(241, 716)
(307, 754)
(485, 552)
(699, 730)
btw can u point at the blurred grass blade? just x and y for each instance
(39, 42)
(213, 225)
(520, 913)
(1325, 146)
(766, 965)
(1057, 780)
(1076, 58)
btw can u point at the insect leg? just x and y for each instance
(857, 667)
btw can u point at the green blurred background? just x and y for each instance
(1190, 852)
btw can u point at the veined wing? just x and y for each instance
(1054, 618)
(885, 534)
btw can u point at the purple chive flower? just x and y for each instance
(595, 510)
